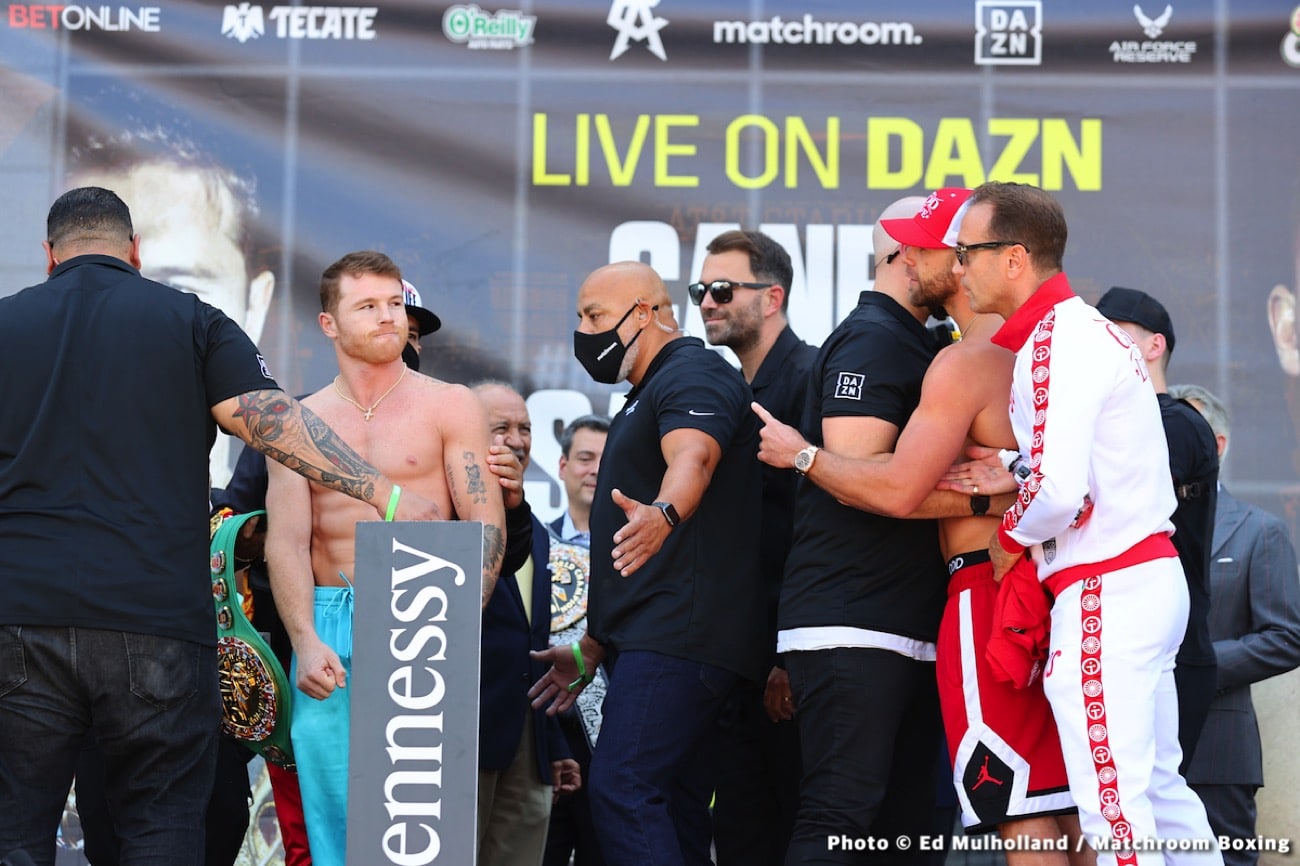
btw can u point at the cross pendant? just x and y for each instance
(370, 413)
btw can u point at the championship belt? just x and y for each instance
(569, 564)
(255, 693)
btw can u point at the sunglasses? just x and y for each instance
(721, 290)
(963, 250)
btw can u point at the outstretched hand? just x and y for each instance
(641, 537)
(779, 443)
(560, 686)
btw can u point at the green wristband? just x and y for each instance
(392, 503)
(582, 679)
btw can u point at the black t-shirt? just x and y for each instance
(781, 386)
(109, 380)
(1194, 464)
(701, 596)
(849, 567)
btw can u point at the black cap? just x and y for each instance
(1130, 305)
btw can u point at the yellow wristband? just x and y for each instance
(392, 503)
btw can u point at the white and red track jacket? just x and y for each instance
(1084, 410)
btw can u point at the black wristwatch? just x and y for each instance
(979, 505)
(670, 513)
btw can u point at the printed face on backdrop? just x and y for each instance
(190, 226)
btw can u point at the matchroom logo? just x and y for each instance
(246, 21)
(1009, 32)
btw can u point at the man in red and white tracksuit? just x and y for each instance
(1094, 517)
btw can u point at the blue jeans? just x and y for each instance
(154, 705)
(652, 771)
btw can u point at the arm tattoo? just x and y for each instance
(474, 479)
(494, 548)
(287, 431)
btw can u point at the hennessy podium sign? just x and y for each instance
(413, 771)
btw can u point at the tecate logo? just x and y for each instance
(246, 21)
(504, 30)
(25, 16)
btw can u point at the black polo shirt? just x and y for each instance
(781, 386)
(1194, 464)
(700, 597)
(108, 381)
(849, 567)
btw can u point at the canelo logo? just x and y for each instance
(635, 21)
(246, 21)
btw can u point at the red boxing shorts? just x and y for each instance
(1005, 751)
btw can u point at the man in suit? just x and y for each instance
(572, 832)
(1255, 626)
(523, 759)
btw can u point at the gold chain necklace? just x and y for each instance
(370, 413)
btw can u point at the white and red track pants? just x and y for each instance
(1110, 681)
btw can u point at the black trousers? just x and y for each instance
(758, 784)
(868, 724)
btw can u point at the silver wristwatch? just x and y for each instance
(803, 461)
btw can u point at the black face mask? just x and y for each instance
(411, 357)
(601, 355)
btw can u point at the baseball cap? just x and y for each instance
(935, 224)
(905, 208)
(1130, 305)
(425, 320)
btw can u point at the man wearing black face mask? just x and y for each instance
(676, 603)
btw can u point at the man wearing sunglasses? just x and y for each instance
(1094, 516)
(744, 295)
(863, 593)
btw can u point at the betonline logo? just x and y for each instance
(1152, 52)
(810, 31)
(25, 16)
(245, 21)
(1009, 32)
(470, 25)
(636, 21)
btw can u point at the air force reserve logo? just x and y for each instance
(242, 22)
(635, 21)
(1009, 32)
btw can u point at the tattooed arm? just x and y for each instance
(288, 432)
(474, 491)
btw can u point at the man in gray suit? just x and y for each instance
(1255, 625)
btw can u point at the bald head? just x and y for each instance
(904, 208)
(626, 283)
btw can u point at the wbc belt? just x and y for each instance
(255, 693)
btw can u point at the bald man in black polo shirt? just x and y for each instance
(676, 605)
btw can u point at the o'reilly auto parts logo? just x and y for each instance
(246, 21)
(1008, 32)
(504, 30)
(813, 31)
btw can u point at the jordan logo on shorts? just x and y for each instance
(984, 775)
